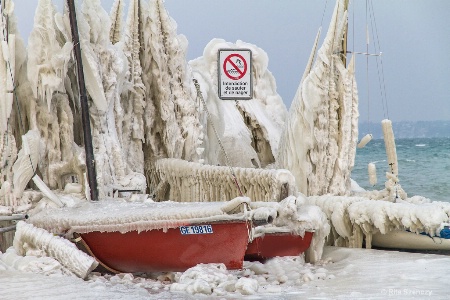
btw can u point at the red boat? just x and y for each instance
(133, 237)
(277, 244)
(178, 249)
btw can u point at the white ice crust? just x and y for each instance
(30, 240)
(122, 216)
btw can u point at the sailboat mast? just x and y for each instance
(90, 162)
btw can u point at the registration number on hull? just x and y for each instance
(196, 229)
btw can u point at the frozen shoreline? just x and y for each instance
(346, 274)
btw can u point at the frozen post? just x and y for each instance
(90, 162)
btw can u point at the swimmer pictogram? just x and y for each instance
(235, 66)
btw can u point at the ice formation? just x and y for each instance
(295, 216)
(354, 219)
(319, 141)
(178, 180)
(30, 240)
(157, 130)
(372, 170)
(249, 129)
(122, 216)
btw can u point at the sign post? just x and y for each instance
(235, 74)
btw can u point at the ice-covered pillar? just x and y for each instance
(389, 142)
(90, 161)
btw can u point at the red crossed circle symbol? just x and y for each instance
(239, 73)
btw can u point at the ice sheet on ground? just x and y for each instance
(342, 274)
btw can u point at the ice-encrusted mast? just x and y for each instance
(319, 141)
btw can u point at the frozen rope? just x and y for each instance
(199, 96)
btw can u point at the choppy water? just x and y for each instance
(424, 166)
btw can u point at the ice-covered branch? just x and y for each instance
(29, 238)
(131, 129)
(318, 143)
(116, 16)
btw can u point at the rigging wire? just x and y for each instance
(323, 13)
(367, 68)
(381, 81)
(200, 96)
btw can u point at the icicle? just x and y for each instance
(10, 73)
(46, 190)
(372, 169)
(93, 80)
(389, 141)
(116, 21)
(25, 145)
(9, 8)
(25, 165)
(5, 50)
(367, 138)
(3, 108)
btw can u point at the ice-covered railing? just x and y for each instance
(354, 219)
(180, 180)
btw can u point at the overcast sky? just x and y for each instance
(414, 37)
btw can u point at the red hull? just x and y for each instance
(158, 251)
(277, 244)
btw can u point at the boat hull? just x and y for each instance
(159, 251)
(277, 244)
(409, 241)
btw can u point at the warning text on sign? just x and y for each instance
(234, 74)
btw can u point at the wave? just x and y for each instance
(378, 161)
(421, 145)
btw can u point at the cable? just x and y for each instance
(199, 95)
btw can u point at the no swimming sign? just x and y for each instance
(235, 74)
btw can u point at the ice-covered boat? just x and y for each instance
(407, 240)
(154, 237)
(143, 108)
(277, 242)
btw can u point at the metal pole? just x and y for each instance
(13, 217)
(90, 162)
(7, 229)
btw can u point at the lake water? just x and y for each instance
(424, 166)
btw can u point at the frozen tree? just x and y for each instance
(319, 140)
(133, 95)
(172, 127)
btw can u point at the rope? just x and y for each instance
(199, 96)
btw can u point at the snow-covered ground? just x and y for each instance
(343, 274)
